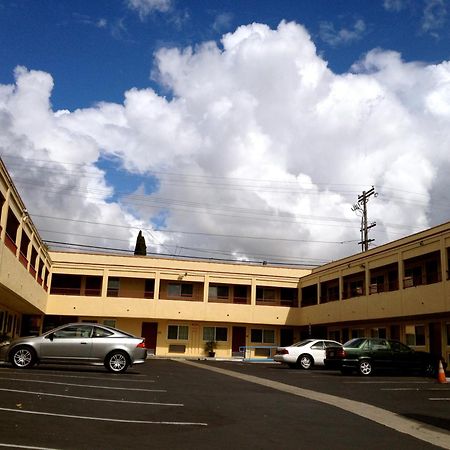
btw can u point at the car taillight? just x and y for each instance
(341, 353)
(141, 344)
(282, 351)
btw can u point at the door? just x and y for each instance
(238, 341)
(435, 339)
(286, 337)
(381, 354)
(73, 342)
(150, 334)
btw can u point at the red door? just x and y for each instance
(150, 333)
(238, 340)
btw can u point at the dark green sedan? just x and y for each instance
(366, 355)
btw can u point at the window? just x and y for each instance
(180, 290)
(177, 332)
(358, 333)
(240, 294)
(334, 335)
(415, 335)
(424, 269)
(378, 333)
(329, 291)
(75, 331)
(354, 285)
(110, 323)
(289, 297)
(309, 295)
(113, 286)
(262, 336)
(448, 333)
(149, 288)
(101, 332)
(219, 334)
(267, 295)
(93, 286)
(63, 284)
(218, 292)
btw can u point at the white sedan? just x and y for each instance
(305, 354)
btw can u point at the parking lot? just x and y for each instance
(220, 404)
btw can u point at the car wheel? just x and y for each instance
(23, 357)
(117, 362)
(305, 362)
(365, 368)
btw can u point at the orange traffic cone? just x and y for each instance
(441, 373)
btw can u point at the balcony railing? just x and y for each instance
(10, 243)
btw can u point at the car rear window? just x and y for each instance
(302, 343)
(355, 343)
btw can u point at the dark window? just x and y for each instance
(113, 286)
(240, 294)
(63, 284)
(309, 295)
(180, 290)
(289, 297)
(93, 285)
(149, 289)
(256, 335)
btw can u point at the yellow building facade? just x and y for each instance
(399, 290)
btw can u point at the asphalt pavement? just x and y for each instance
(168, 404)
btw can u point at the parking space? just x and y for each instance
(171, 404)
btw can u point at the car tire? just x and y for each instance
(305, 362)
(365, 367)
(23, 357)
(117, 362)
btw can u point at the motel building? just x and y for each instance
(400, 290)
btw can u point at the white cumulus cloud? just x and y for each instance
(259, 151)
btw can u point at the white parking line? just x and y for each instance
(387, 382)
(426, 433)
(86, 378)
(25, 446)
(440, 399)
(84, 385)
(413, 389)
(104, 419)
(92, 399)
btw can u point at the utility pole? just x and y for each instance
(361, 206)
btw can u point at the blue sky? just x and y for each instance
(96, 50)
(227, 129)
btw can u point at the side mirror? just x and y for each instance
(50, 337)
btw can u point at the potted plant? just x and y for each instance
(210, 347)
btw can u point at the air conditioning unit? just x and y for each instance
(359, 290)
(408, 282)
(374, 288)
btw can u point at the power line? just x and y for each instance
(195, 233)
(68, 244)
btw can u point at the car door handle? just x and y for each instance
(83, 343)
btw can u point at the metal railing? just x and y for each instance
(258, 352)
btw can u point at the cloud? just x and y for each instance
(334, 37)
(395, 5)
(222, 22)
(259, 151)
(146, 7)
(434, 15)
